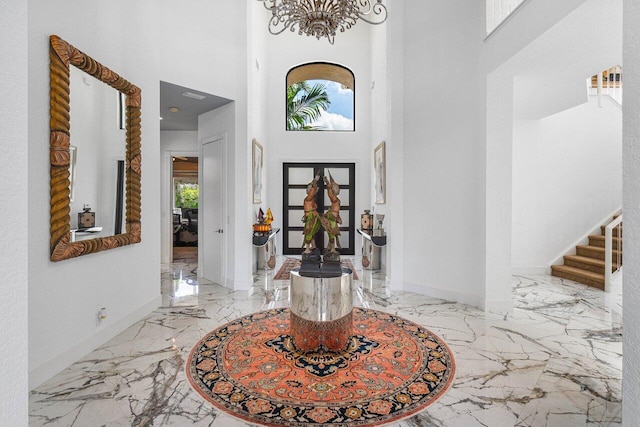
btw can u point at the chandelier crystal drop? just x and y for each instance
(322, 18)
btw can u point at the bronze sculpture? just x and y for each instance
(311, 218)
(313, 263)
(331, 218)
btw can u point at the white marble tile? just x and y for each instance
(555, 360)
(574, 393)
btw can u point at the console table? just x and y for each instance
(265, 245)
(371, 250)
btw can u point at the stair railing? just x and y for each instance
(608, 250)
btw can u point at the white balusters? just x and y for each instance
(608, 250)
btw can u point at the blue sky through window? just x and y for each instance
(339, 116)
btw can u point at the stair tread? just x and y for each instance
(578, 272)
(587, 265)
(601, 237)
(595, 248)
(586, 260)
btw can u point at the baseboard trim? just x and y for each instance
(394, 285)
(447, 295)
(55, 365)
(498, 306)
(523, 271)
(494, 306)
(238, 285)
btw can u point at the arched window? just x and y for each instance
(320, 96)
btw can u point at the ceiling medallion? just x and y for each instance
(322, 18)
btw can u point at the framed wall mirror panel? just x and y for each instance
(96, 145)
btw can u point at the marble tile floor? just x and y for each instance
(556, 360)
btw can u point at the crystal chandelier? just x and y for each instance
(322, 18)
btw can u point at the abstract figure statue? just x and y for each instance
(331, 219)
(311, 218)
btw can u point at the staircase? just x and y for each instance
(587, 265)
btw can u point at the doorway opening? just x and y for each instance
(187, 119)
(185, 196)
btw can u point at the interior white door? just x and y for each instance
(211, 211)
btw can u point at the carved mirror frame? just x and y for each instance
(61, 56)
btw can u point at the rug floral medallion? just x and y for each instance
(390, 369)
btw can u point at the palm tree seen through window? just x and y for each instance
(320, 97)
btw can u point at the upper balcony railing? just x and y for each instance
(499, 10)
(607, 83)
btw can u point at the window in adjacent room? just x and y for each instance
(320, 96)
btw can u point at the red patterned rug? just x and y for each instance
(291, 263)
(391, 369)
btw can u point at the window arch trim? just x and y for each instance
(322, 71)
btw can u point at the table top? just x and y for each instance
(263, 239)
(376, 240)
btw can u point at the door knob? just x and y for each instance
(220, 230)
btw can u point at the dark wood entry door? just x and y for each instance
(296, 178)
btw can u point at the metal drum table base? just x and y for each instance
(309, 335)
(321, 311)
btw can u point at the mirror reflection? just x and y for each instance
(100, 148)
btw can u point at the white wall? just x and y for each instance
(576, 38)
(458, 150)
(567, 178)
(257, 69)
(14, 210)
(380, 113)
(221, 121)
(388, 125)
(442, 145)
(179, 140)
(523, 27)
(172, 143)
(544, 94)
(631, 196)
(148, 44)
(551, 72)
(458, 110)
(352, 49)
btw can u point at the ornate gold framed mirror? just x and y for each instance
(63, 245)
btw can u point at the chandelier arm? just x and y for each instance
(378, 9)
(275, 21)
(276, 32)
(366, 4)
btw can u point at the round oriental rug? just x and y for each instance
(391, 369)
